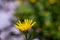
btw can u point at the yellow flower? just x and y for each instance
(52, 1)
(32, 1)
(24, 26)
(59, 28)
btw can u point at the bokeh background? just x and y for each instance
(46, 13)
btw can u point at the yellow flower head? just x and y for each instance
(52, 1)
(24, 26)
(32, 1)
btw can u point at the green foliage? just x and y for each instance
(46, 14)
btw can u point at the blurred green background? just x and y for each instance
(46, 13)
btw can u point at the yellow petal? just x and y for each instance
(16, 26)
(19, 21)
(33, 24)
(25, 20)
(31, 21)
(21, 28)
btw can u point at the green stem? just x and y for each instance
(26, 34)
